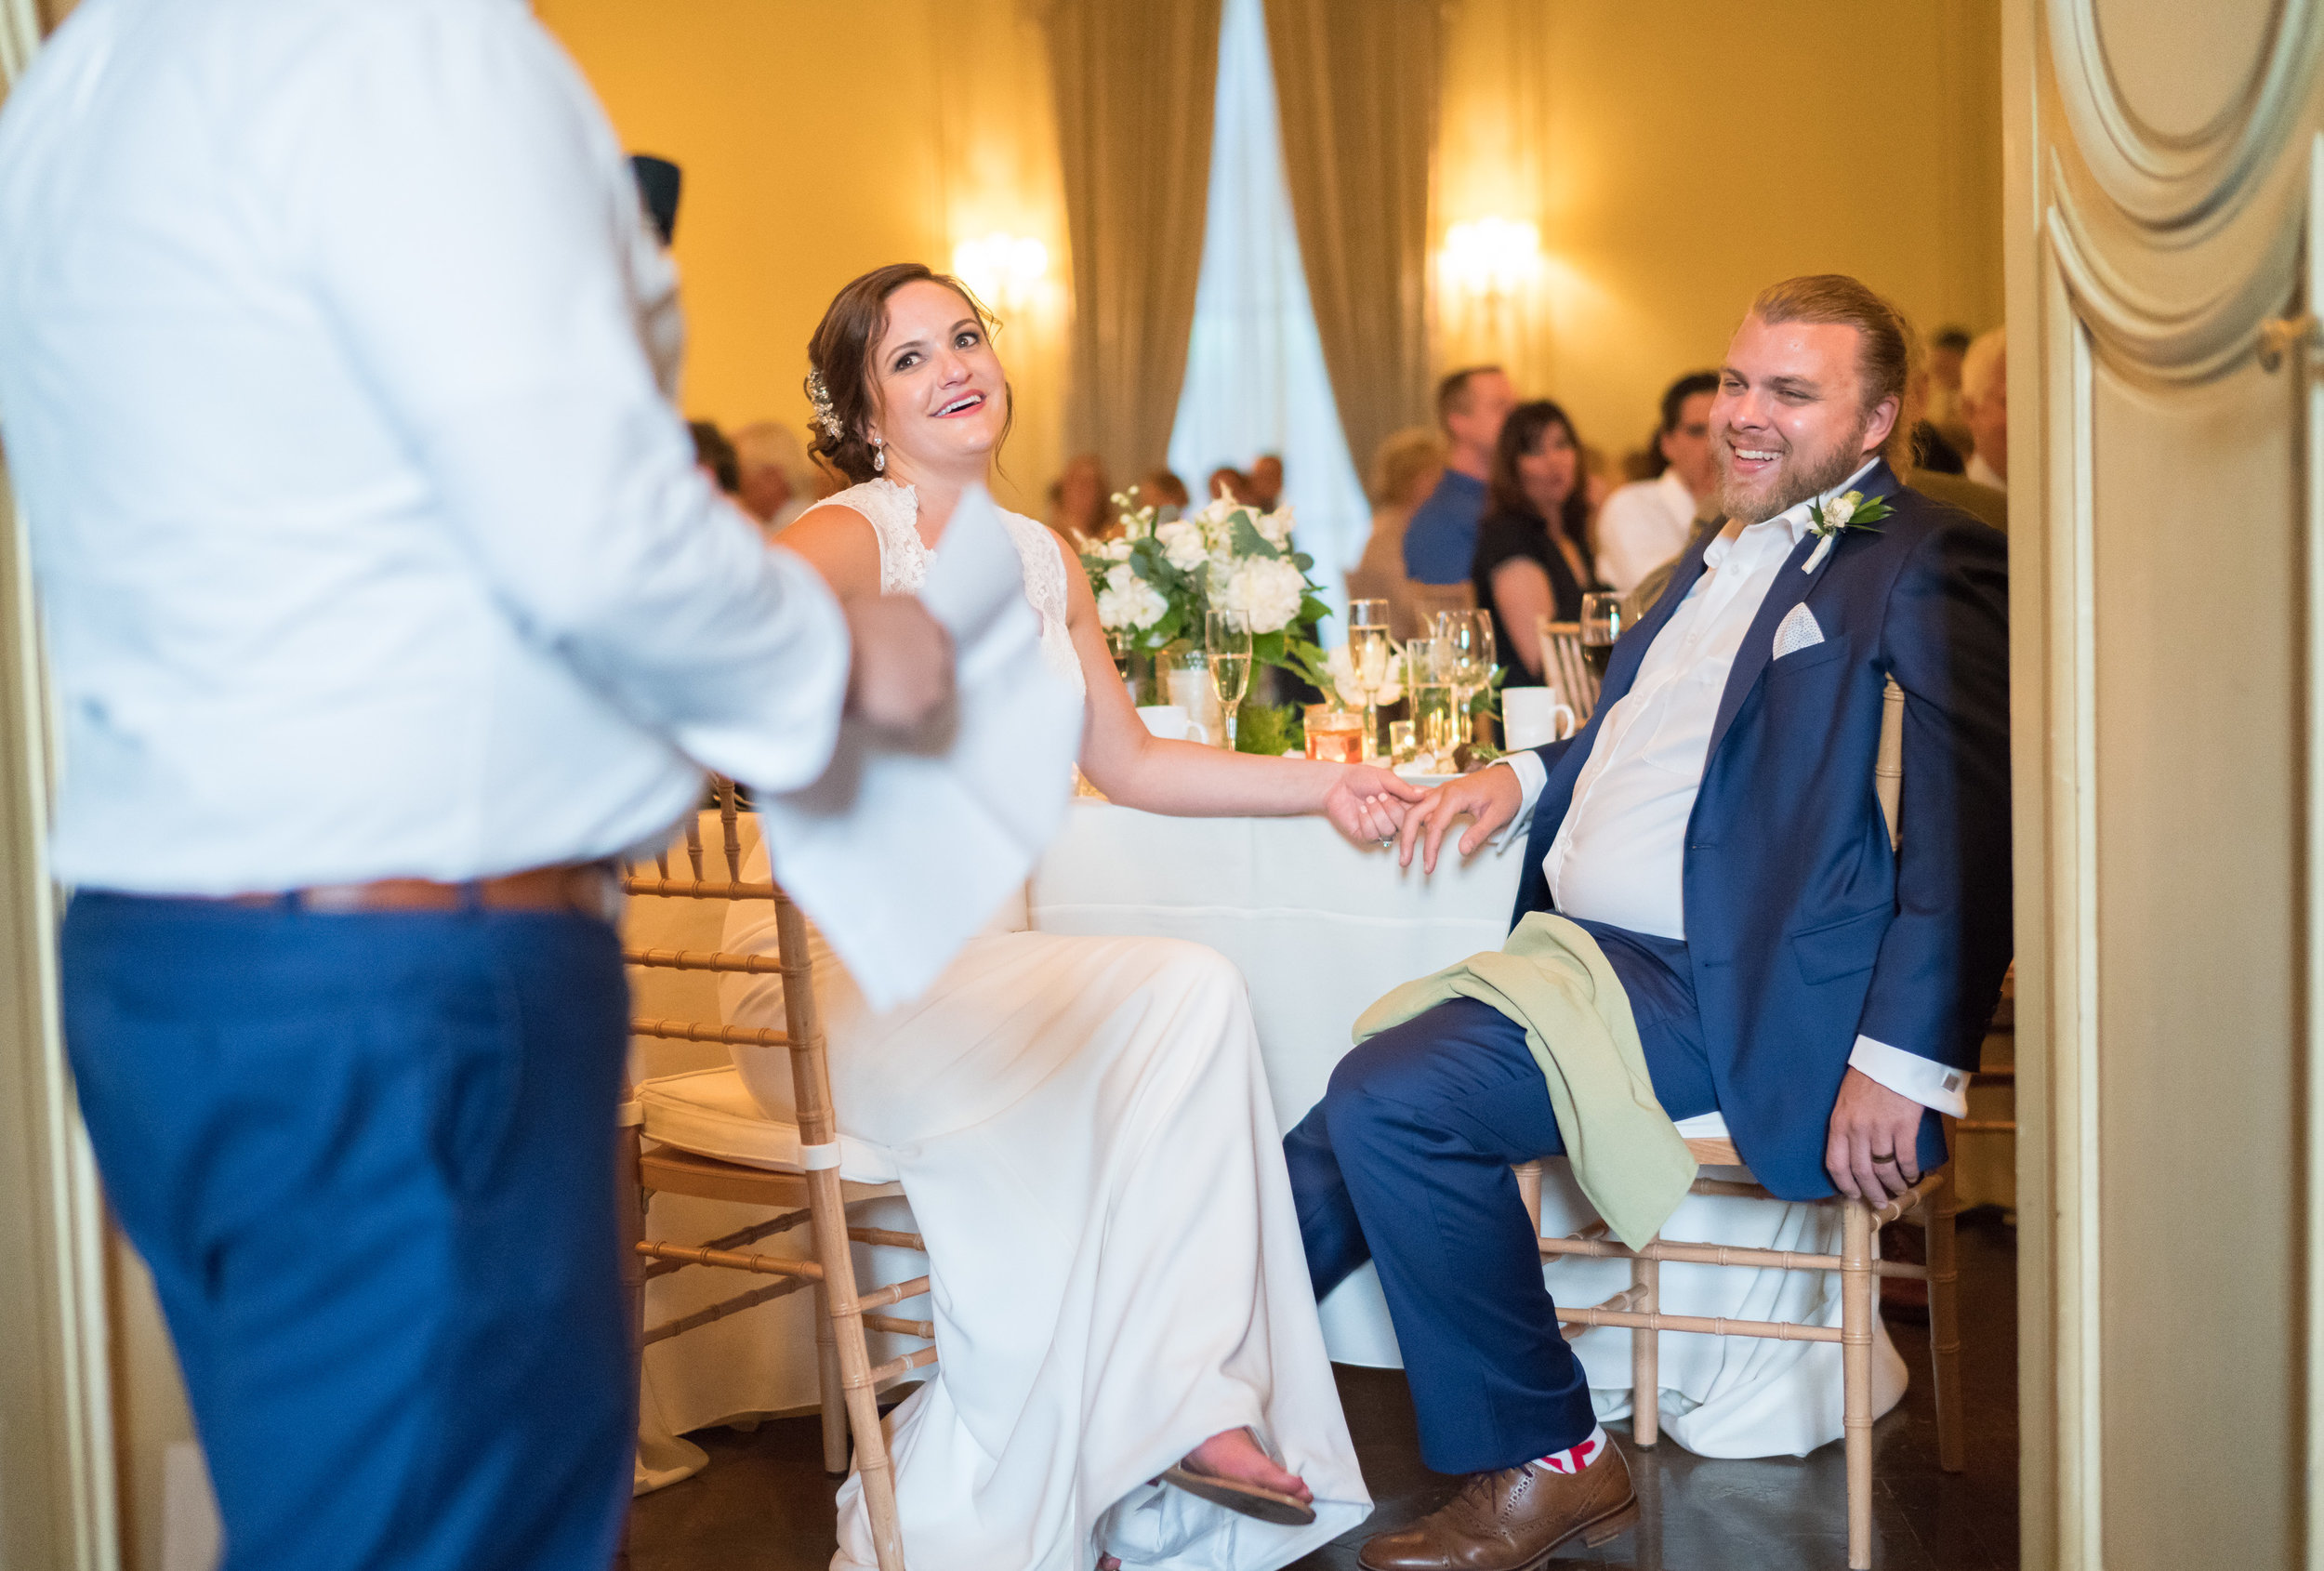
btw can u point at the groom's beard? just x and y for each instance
(1796, 480)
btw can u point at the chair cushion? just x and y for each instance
(709, 1112)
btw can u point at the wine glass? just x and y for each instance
(1602, 623)
(1367, 657)
(1227, 635)
(1464, 651)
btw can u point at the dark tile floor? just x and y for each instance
(764, 1505)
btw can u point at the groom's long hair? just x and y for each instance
(1887, 355)
(840, 355)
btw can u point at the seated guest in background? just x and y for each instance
(1265, 482)
(1441, 541)
(777, 482)
(1080, 500)
(1984, 408)
(1937, 471)
(1228, 482)
(1164, 489)
(1706, 835)
(1946, 348)
(1645, 524)
(1404, 470)
(1533, 556)
(715, 456)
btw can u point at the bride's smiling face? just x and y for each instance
(942, 396)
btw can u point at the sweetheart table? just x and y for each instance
(1319, 929)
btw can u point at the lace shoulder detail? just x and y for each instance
(1044, 561)
(894, 512)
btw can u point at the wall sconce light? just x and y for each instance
(1492, 258)
(1006, 271)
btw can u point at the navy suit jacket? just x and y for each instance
(1803, 927)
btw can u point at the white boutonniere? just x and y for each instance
(1826, 521)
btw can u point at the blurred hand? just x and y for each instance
(902, 670)
(1869, 1122)
(1366, 804)
(1490, 798)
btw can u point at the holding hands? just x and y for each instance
(1488, 798)
(1368, 804)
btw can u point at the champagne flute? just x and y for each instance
(1367, 657)
(1227, 634)
(1601, 626)
(1465, 659)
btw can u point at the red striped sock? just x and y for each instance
(1576, 1457)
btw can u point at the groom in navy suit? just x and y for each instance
(1716, 829)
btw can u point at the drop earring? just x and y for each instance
(879, 457)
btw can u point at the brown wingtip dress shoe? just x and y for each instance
(1513, 1520)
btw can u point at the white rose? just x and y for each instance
(1840, 510)
(1181, 545)
(1351, 692)
(1136, 605)
(1277, 527)
(1113, 550)
(1120, 576)
(1266, 590)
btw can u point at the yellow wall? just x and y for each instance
(1675, 157)
(821, 140)
(1678, 156)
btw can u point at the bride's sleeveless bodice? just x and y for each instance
(894, 512)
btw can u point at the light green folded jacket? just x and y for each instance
(1552, 979)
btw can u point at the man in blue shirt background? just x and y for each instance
(1441, 541)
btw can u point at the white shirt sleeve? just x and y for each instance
(1923, 1079)
(1630, 527)
(1531, 777)
(505, 332)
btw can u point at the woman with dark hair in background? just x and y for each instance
(1533, 545)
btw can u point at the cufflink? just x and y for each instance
(1952, 1082)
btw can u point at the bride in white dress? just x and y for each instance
(1131, 1369)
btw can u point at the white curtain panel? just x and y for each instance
(1255, 375)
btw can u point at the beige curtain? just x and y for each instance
(1357, 89)
(1135, 83)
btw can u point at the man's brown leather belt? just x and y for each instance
(593, 889)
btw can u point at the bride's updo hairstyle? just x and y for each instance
(839, 383)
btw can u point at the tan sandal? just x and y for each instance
(1251, 1499)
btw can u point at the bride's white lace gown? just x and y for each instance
(1086, 1142)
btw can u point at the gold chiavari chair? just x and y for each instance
(700, 1134)
(1564, 667)
(1931, 1203)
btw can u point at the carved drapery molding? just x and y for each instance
(2177, 248)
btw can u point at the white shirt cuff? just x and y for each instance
(1923, 1079)
(1531, 777)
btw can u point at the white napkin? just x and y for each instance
(905, 847)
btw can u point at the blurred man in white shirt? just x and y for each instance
(1646, 523)
(385, 606)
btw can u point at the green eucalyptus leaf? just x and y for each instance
(1249, 542)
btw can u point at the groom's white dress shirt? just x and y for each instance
(368, 540)
(1619, 857)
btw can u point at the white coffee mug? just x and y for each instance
(1172, 722)
(1532, 715)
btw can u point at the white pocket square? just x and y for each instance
(1797, 632)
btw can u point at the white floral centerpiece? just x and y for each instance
(1157, 578)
